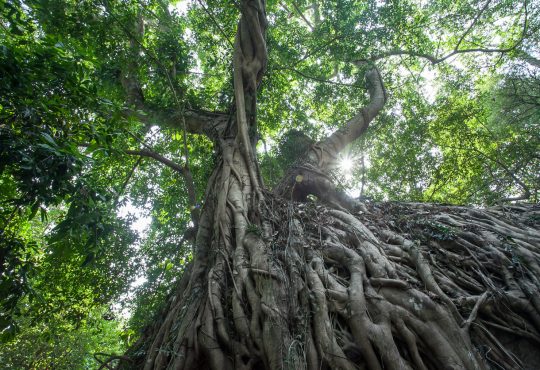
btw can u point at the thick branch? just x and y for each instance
(355, 127)
(310, 175)
(192, 121)
(196, 121)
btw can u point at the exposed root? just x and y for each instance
(406, 286)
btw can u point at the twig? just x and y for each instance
(213, 19)
(126, 181)
(105, 364)
(474, 313)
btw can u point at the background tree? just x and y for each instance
(111, 103)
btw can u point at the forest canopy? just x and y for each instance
(100, 110)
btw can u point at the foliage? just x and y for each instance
(60, 344)
(60, 240)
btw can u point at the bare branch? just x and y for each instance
(182, 170)
(473, 23)
(158, 157)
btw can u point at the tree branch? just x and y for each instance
(325, 152)
(216, 23)
(188, 120)
(299, 12)
(473, 23)
(182, 170)
(436, 60)
(526, 191)
(197, 121)
(158, 157)
(319, 79)
(126, 181)
(535, 62)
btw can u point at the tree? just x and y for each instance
(306, 276)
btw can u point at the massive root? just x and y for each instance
(399, 286)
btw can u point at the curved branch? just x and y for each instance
(110, 358)
(309, 175)
(355, 127)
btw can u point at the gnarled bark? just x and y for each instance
(398, 286)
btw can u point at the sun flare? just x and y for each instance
(346, 164)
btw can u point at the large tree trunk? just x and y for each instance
(278, 282)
